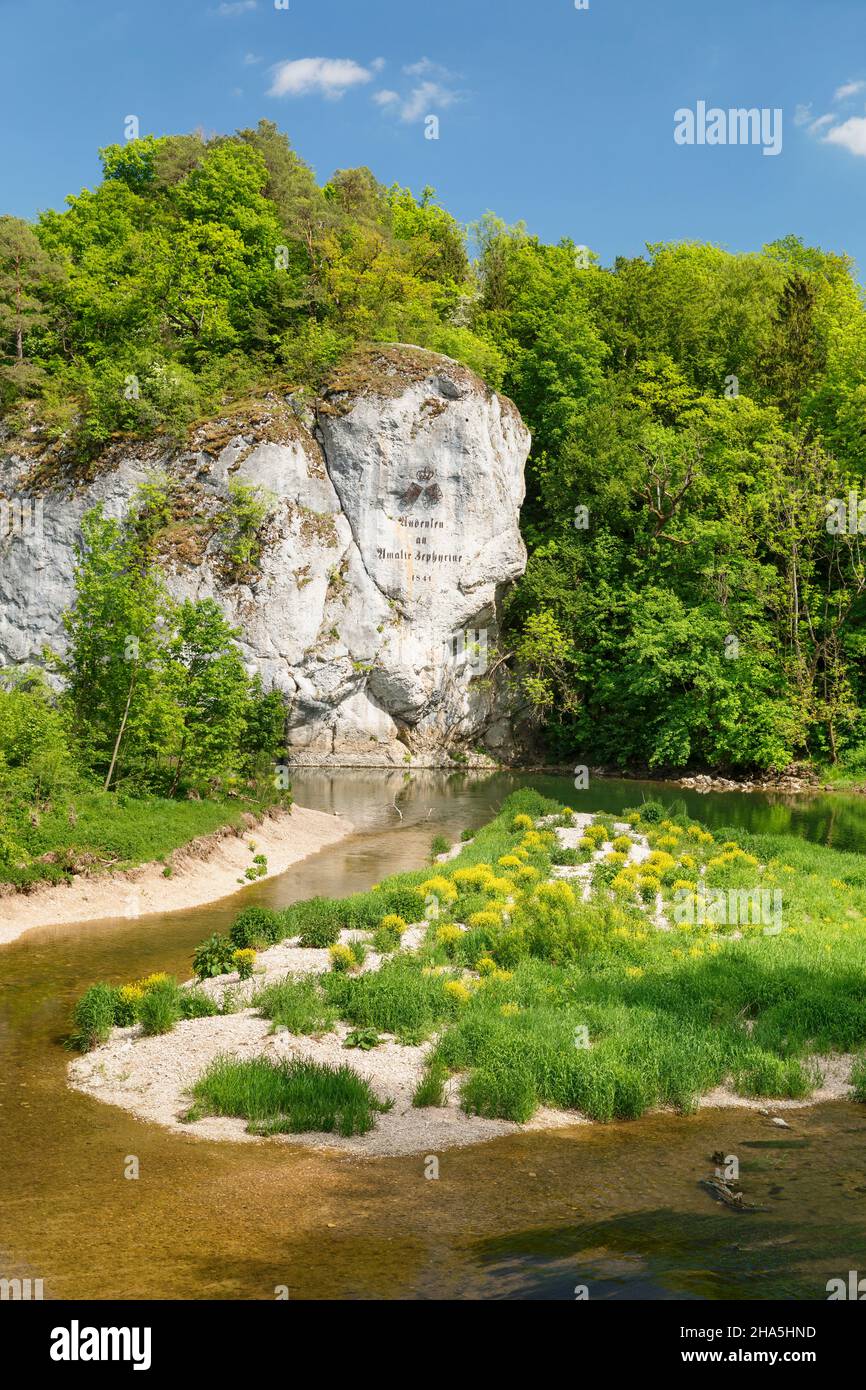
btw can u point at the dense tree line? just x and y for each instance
(688, 598)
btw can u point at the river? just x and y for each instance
(617, 1210)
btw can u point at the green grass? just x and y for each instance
(288, 1097)
(586, 1006)
(431, 1088)
(858, 1078)
(397, 999)
(93, 1017)
(160, 1009)
(106, 831)
(298, 1005)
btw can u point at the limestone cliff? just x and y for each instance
(391, 533)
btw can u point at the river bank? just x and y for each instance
(804, 780)
(619, 1202)
(452, 1011)
(205, 870)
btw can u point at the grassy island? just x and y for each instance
(581, 963)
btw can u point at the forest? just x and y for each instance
(696, 587)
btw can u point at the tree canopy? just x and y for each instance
(693, 414)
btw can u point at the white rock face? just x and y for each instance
(392, 533)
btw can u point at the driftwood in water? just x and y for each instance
(729, 1195)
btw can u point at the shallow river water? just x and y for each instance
(618, 1209)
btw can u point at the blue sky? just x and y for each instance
(561, 117)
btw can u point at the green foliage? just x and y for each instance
(364, 1039)
(256, 926)
(388, 934)
(243, 960)
(27, 274)
(318, 922)
(690, 417)
(288, 1097)
(585, 1005)
(395, 999)
(160, 1008)
(93, 1017)
(201, 268)
(215, 956)
(240, 526)
(692, 412)
(430, 1090)
(569, 856)
(157, 692)
(297, 1005)
(196, 1003)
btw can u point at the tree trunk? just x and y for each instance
(120, 732)
(177, 771)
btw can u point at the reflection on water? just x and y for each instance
(373, 798)
(617, 1208)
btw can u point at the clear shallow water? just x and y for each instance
(618, 1208)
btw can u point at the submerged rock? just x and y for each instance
(392, 533)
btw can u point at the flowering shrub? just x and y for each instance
(342, 958)
(509, 861)
(244, 959)
(458, 991)
(484, 921)
(127, 1004)
(438, 887)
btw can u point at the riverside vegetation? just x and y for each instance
(157, 735)
(557, 960)
(693, 413)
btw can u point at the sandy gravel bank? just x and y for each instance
(204, 871)
(152, 1076)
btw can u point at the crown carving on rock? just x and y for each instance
(423, 486)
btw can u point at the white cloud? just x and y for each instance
(830, 128)
(425, 68)
(250, 59)
(851, 135)
(229, 8)
(423, 97)
(377, 65)
(329, 77)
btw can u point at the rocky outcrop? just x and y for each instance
(391, 533)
